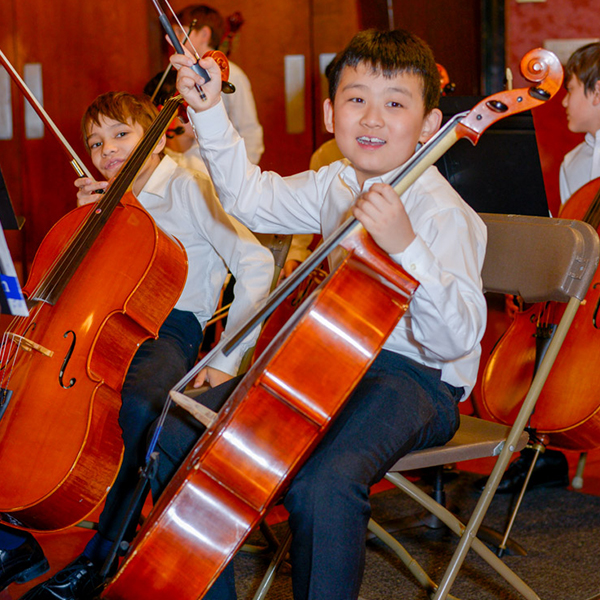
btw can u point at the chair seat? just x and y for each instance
(475, 438)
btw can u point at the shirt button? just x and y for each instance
(413, 267)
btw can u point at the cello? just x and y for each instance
(62, 367)
(568, 409)
(278, 413)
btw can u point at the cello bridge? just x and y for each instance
(29, 345)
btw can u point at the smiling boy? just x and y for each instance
(184, 205)
(384, 89)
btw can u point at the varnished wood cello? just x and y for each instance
(278, 414)
(568, 409)
(103, 280)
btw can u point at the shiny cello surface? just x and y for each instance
(268, 427)
(272, 420)
(568, 408)
(103, 280)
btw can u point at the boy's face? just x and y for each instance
(583, 111)
(378, 121)
(198, 40)
(112, 142)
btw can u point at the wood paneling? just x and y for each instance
(452, 29)
(85, 49)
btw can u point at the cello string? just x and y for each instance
(186, 38)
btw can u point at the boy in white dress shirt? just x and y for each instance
(582, 105)
(384, 90)
(184, 204)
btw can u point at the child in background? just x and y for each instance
(582, 105)
(184, 205)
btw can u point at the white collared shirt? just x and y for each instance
(580, 166)
(184, 204)
(447, 315)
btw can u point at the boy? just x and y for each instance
(383, 92)
(582, 105)
(185, 205)
(207, 33)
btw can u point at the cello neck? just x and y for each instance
(592, 215)
(57, 278)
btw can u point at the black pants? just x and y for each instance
(398, 406)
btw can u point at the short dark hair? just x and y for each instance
(390, 53)
(120, 106)
(205, 16)
(584, 63)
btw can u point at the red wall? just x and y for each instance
(527, 26)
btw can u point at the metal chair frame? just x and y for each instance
(539, 259)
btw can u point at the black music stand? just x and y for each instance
(502, 174)
(11, 297)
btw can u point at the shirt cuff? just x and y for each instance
(416, 259)
(211, 122)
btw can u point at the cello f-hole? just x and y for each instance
(66, 362)
(594, 319)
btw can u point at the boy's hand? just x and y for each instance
(87, 190)
(188, 79)
(212, 377)
(382, 214)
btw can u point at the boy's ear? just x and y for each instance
(328, 115)
(596, 94)
(431, 124)
(161, 145)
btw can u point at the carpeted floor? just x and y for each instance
(559, 528)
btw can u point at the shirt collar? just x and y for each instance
(348, 175)
(157, 184)
(592, 139)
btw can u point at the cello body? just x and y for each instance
(265, 431)
(63, 366)
(568, 408)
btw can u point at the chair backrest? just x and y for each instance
(539, 258)
(324, 155)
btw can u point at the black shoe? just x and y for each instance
(23, 563)
(551, 470)
(79, 580)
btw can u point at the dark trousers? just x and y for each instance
(399, 406)
(156, 367)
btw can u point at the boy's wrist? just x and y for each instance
(211, 121)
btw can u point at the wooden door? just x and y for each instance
(79, 50)
(272, 33)
(453, 30)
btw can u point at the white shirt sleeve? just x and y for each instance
(263, 200)
(250, 263)
(241, 109)
(449, 312)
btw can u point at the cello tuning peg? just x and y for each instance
(227, 87)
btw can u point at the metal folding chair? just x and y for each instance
(539, 259)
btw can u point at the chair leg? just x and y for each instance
(273, 567)
(577, 481)
(409, 562)
(472, 541)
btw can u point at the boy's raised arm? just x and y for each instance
(187, 80)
